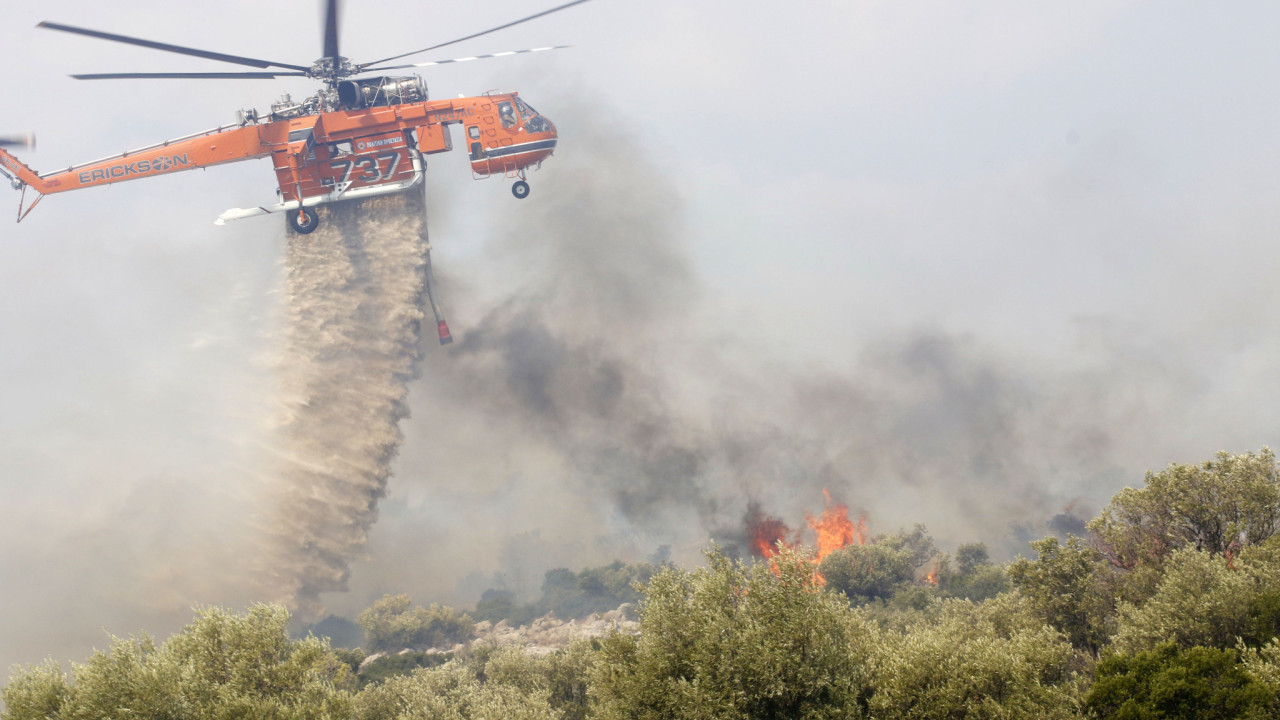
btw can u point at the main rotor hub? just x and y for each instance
(332, 69)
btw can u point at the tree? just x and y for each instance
(1218, 506)
(451, 692)
(1171, 683)
(1070, 587)
(222, 665)
(976, 578)
(1206, 599)
(991, 660)
(736, 641)
(392, 623)
(876, 570)
(972, 556)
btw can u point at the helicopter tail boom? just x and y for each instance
(21, 175)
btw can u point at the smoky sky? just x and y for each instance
(977, 267)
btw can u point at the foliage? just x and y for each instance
(392, 623)
(490, 682)
(221, 665)
(1068, 586)
(1264, 664)
(879, 569)
(993, 660)
(980, 583)
(1218, 506)
(401, 663)
(569, 595)
(1205, 599)
(498, 605)
(976, 578)
(562, 675)
(736, 641)
(972, 556)
(450, 692)
(351, 657)
(1168, 682)
(37, 691)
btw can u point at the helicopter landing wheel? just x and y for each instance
(520, 189)
(304, 220)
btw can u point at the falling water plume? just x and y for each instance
(355, 294)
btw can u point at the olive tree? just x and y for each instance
(990, 660)
(737, 641)
(1206, 599)
(222, 665)
(394, 623)
(1172, 683)
(1070, 587)
(1218, 506)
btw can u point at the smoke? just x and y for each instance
(597, 404)
(354, 293)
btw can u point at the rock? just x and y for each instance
(370, 659)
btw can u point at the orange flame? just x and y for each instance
(834, 528)
(766, 531)
(931, 577)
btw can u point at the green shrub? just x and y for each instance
(1171, 683)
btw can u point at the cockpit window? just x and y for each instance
(533, 122)
(526, 112)
(508, 117)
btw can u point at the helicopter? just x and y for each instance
(361, 135)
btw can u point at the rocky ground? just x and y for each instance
(544, 635)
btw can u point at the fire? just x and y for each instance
(833, 530)
(931, 577)
(766, 531)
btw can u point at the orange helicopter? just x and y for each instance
(357, 137)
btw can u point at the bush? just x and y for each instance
(993, 660)
(736, 641)
(871, 572)
(1170, 683)
(451, 691)
(221, 665)
(1069, 586)
(393, 624)
(1206, 599)
(1218, 506)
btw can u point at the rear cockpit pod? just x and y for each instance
(381, 92)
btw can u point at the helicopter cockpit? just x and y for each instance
(527, 116)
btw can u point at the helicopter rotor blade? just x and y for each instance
(535, 16)
(188, 76)
(27, 141)
(331, 29)
(238, 60)
(465, 59)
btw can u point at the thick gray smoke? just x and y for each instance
(353, 296)
(599, 404)
(602, 405)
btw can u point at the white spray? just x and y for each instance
(354, 300)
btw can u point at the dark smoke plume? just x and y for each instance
(604, 405)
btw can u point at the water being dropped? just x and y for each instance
(354, 297)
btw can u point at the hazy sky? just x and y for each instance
(878, 216)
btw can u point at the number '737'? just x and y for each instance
(370, 167)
